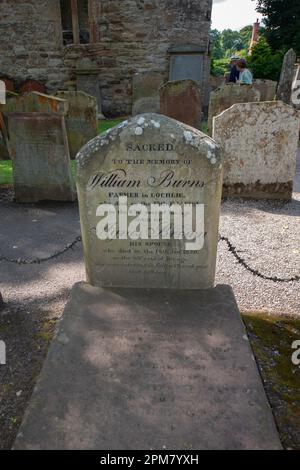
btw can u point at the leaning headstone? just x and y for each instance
(296, 89)
(226, 96)
(81, 120)
(145, 92)
(156, 162)
(40, 154)
(284, 90)
(260, 143)
(181, 100)
(35, 102)
(267, 89)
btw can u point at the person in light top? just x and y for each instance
(246, 77)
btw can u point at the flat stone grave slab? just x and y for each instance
(149, 369)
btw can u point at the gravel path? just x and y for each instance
(265, 233)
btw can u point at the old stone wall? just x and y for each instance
(133, 36)
(31, 42)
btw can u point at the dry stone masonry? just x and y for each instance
(119, 37)
(150, 159)
(260, 143)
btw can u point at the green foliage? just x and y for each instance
(282, 20)
(263, 62)
(228, 42)
(5, 172)
(219, 67)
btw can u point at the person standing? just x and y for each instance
(234, 73)
(246, 77)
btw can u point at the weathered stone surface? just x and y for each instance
(87, 81)
(260, 142)
(40, 154)
(181, 100)
(216, 82)
(266, 88)
(139, 369)
(131, 36)
(81, 119)
(4, 154)
(2, 304)
(35, 102)
(226, 96)
(9, 84)
(145, 92)
(32, 85)
(284, 90)
(150, 159)
(296, 89)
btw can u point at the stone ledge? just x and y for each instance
(144, 369)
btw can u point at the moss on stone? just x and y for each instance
(271, 339)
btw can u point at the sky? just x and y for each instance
(233, 14)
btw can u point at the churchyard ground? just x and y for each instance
(263, 233)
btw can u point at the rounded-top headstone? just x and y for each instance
(150, 160)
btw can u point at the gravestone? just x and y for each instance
(150, 160)
(260, 143)
(181, 100)
(145, 92)
(32, 85)
(35, 102)
(40, 154)
(284, 90)
(296, 89)
(187, 63)
(267, 89)
(87, 80)
(226, 96)
(81, 120)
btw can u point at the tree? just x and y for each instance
(263, 62)
(282, 20)
(216, 37)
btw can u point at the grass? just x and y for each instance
(6, 171)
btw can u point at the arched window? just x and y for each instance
(79, 21)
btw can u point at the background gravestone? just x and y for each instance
(145, 91)
(150, 159)
(267, 89)
(81, 120)
(284, 90)
(40, 155)
(181, 100)
(260, 143)
(35, 102)
(87, 80)
(226, 96)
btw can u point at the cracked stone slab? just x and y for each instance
(149, 369)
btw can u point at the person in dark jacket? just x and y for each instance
(234, 73)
